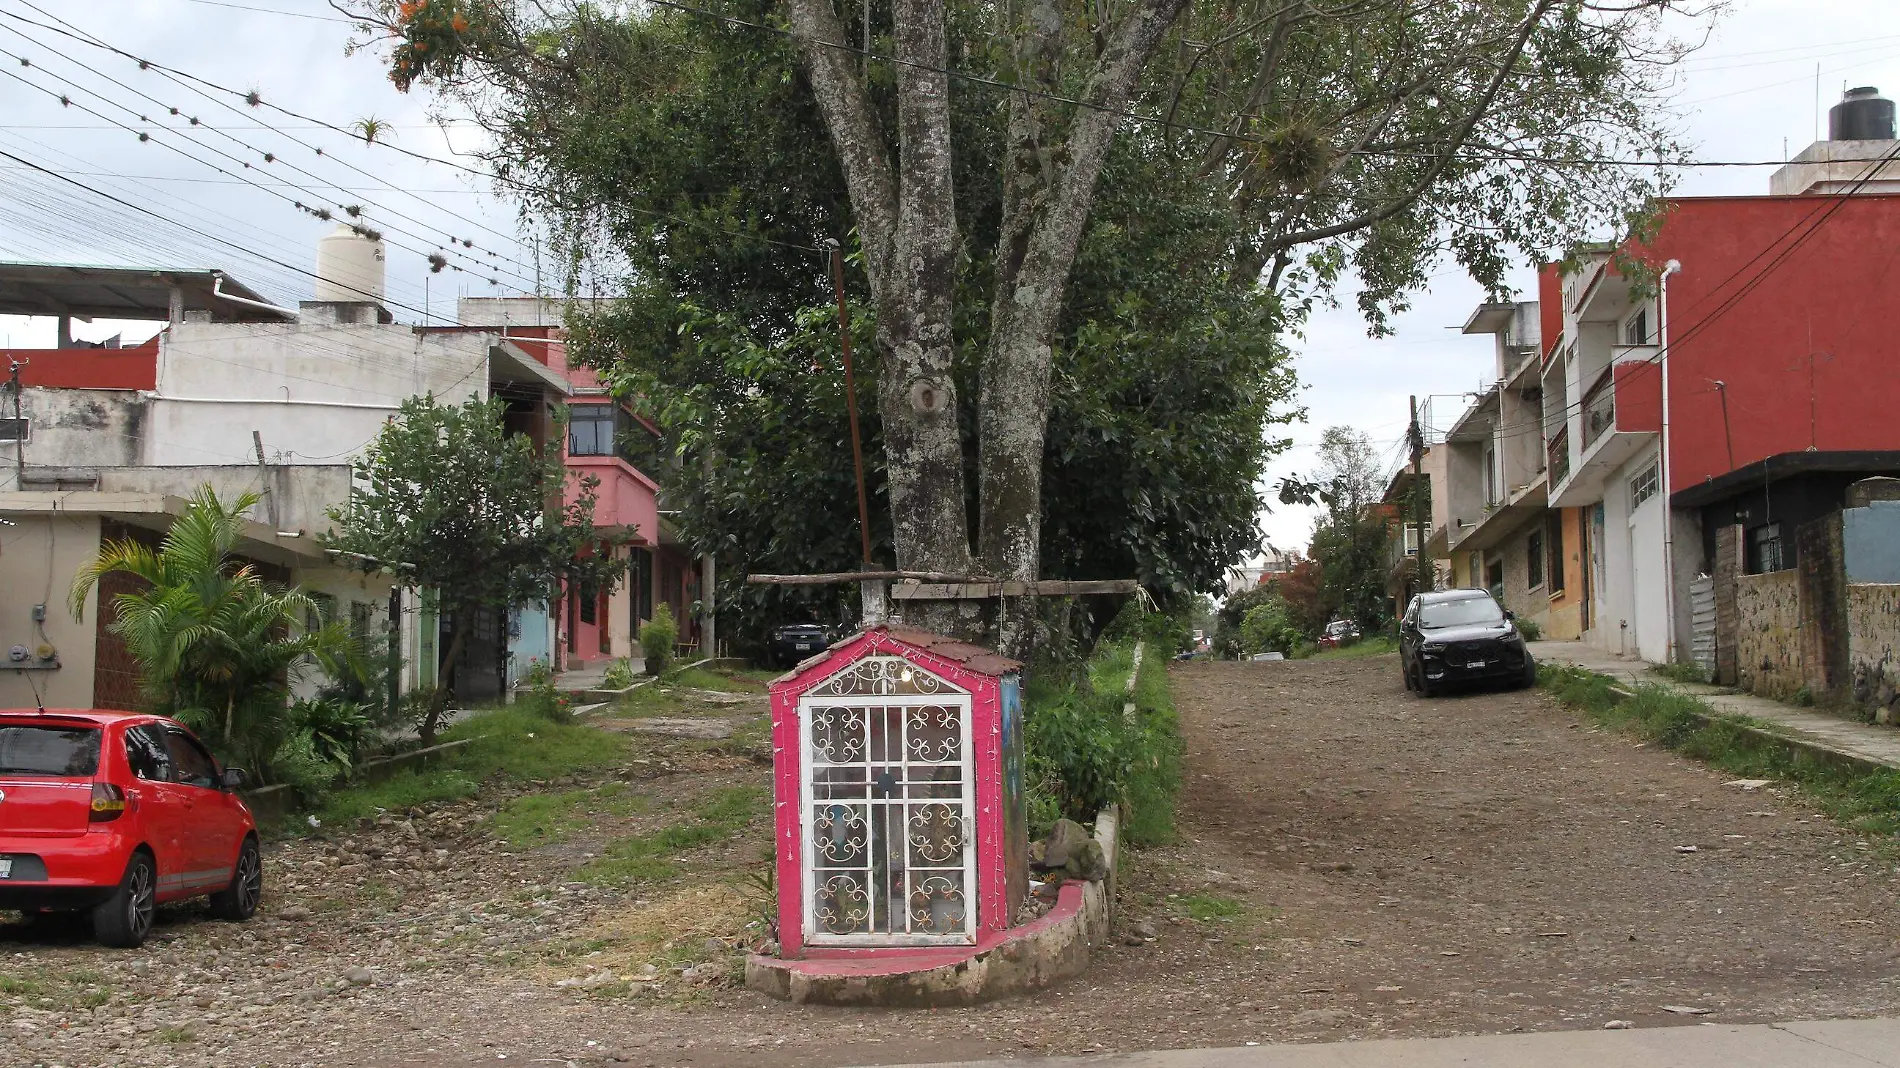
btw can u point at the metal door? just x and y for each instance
(887, 780)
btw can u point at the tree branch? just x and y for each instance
(1449, 152)
(855, 131)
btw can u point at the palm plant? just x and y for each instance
(216, 645)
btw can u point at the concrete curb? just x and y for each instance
(1768, 737)
(1050, 949)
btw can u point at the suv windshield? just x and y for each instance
(71, 752)
(1465, 612)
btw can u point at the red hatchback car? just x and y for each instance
(118, 813)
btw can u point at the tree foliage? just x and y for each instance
(453, 502)
(974, 154)
(217, 645)
(1353, 534)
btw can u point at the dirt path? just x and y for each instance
(1354, 862)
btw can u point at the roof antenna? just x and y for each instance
(37, 702)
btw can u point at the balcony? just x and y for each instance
(1558, 453)
(1599, 409)
(1621, 416)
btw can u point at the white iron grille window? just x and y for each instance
(1645, 485)
(886, 778)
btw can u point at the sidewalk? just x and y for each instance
(1822, 1044)
(1863, 741)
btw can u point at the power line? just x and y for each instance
(268, 157)
(146, 137)
(421, 156)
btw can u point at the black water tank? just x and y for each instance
(1862, 115)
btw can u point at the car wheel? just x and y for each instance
(1405, 672)
(1423, 685)
(238, 902)
(125, 919)
(1530, 673)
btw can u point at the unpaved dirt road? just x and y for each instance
(1353, 862)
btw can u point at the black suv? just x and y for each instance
(1453, 636)
(794, 642)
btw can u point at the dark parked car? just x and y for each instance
(794, 642)
(1456, 636)
(1340, 632)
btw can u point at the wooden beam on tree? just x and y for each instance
(860, 576)
(1060, 588)
(945, 591)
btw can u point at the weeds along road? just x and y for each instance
(1353, 862)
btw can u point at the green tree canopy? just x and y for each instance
(452, 501)
(1017, 175)
(215, 643)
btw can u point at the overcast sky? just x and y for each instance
(1749, 95)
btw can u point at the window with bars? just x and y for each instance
(1645, 485)
(1534, 560)
(12, 429)
(1765, 549)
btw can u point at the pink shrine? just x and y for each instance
(899, 816)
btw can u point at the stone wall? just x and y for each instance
(1769, 641)
(1873, 647)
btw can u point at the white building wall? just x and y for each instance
(314, 393)
(1628, 581)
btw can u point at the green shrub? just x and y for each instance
(657, 636)
(1530, 629)
(1268, 627)
(619, 676)
(1084, 753)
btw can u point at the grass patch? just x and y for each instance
(699, 678)
(17, 987)
(536, 819)
(505, 744)
(651, 857)
(176, 1035)
(1109, 668)
(1867, 801)
(1378, 645)
(1155, 777)
(1209, 907)
(1690, 673)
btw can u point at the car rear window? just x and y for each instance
(44, 749)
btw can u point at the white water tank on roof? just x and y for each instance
(350, 266)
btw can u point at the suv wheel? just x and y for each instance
(125, 919)
(238, 902)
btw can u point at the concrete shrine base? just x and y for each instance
(1053, 947)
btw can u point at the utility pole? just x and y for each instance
(1418, 480)
(851, 398)
(19, 423)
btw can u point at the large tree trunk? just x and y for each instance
(907, 226)
(1048, 195)
(907, 223)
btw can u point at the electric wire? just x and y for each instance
(268, 157)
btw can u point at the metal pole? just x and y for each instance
(19, 424)
(1418, 478)
(851, 397)
(1669, 512)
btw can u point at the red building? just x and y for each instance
(1768, 320)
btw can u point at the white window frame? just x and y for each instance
(1645, 484)
(951, 697)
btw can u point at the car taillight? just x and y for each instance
(108, 803)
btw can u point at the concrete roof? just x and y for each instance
(89, 292)
(157, 511)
